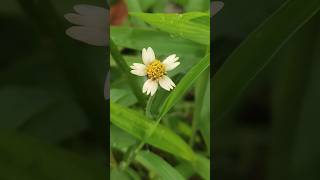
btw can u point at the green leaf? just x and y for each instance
(50, 118)
(156, 164)
(26, 158)
(180, 25)
(198, 5)
(201, 115)
(117, 174)
(202, 167)
(184, 85)
(289, 90)
(134, 6)
(119, 139)
(139, 126)
(123, 97)
(247, 61)
(161, 42)
(131, 80)
(204, 122)
(185, 169)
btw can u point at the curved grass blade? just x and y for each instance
(180, 25)
(162, 42)
(158, 165)
(202, 167)
(184, 85)
(126, 70)
(248, 60)
(139, 126)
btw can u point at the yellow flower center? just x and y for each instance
(155, 70)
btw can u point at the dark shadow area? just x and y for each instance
(270, 132)
(53, 115)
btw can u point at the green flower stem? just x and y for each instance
(133, 152)
(148, 107)
(122, 64)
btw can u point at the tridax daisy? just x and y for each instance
(155, 71)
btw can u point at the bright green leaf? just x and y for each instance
(184, 85)
(155, 163)
(139, 126)
(180, 25)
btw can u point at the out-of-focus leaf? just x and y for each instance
(135, 6)
(133, 174)
(185, 169)
(161, 42)
(146, 4)
(202, 108)
(139, 126)
(123, 97)
(117, 174)
(288, 94)
(58, 122)
(305, 152)
(180, 25)
(17, 99)
(26, 158)
(50, 118)
(202, 167)
(125, 69)
(197, 5)
(156, 164)
(257, 51)
(184, 85)
(120, 139)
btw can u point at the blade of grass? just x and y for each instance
(247, 61)
(200, 90)
(288, 94)
(184, 85)
(139, 126)
(132, 81)
(305, 156)
(164, 44)
(180, 25)
(156, 164)
(202, 167)
(134, 6)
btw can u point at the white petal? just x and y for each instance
(172, 66)
(166, 83)
(171, 62)
(148, 55)
(170, 59)
(216, 6)
(138, 69)
(150, 87)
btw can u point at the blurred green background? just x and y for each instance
(272, 130)
(53, 116)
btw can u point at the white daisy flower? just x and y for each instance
(155, 71)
